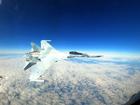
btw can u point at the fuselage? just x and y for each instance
(35, 55)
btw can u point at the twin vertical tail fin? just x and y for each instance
(45, 45)
(37, 53)
(35, 48)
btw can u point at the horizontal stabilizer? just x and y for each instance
(29, 65)
(37, 80)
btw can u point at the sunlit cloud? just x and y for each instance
(68, 82)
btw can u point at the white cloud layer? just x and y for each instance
(68, 83)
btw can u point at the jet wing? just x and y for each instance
(29, 65)
(40, 68)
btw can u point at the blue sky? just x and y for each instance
(90, 25)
